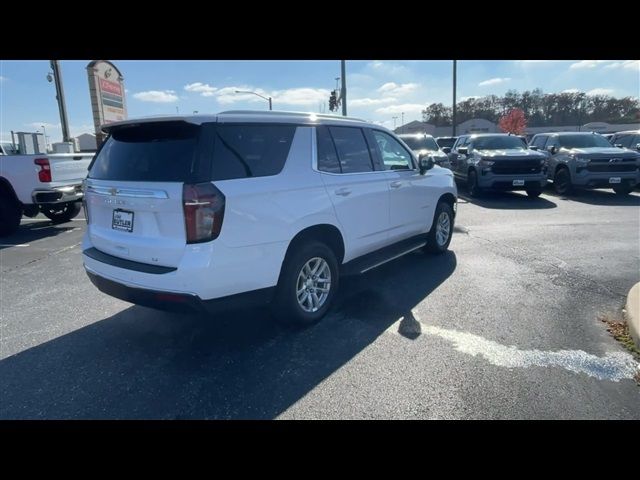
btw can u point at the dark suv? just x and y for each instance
(587, 160)
(630, 140)
(498, 161)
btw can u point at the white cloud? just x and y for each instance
(601, 91)
(395, 90)
(203, 89)
(387, 67)
(157, 96)
(47, 125)
(2, 79)
(301, 96)
(586, 64)
(571, 90)
(407, 108)
(627, 64)
(494, 81)
(366, 102)
(471, 97)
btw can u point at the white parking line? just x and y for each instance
(11, 245)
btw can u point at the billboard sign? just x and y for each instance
(106, 89)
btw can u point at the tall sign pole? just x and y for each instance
(343, 92)
(453, 120)
(57, 75)
(106, 89)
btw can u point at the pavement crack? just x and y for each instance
(44, 257)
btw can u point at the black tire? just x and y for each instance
(562, 182)
(61, 213)
(285, 305)
(534, 192)
(433, 245)
(623, 190)
(472, 184)
(10, 213)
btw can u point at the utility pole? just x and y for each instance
(402, 125)
(343, 93)
(57, 75)
(453, 119)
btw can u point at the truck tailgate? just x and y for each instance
(69, 167)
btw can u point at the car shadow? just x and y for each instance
(507, 200)
(599, 197)
(141, 363)
(30, 231)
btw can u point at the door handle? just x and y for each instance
(396, 184)
(343, 192)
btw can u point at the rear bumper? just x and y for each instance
(64, 194)
(178, 302)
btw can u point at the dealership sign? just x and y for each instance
(106, 89)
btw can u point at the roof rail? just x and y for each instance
(289, 114)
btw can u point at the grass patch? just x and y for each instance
(620, 331)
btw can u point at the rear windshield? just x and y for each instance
(498, 143)
(421, 142)
(583, 141)
(153, 152)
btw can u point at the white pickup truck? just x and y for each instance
(47, 183)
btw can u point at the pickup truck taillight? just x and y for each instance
(44, 174)
(203, 206)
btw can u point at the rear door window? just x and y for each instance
(327, 154)
(352, 149)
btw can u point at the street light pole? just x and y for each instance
(402, 126)
(255, 93)
(453, 119)
(44, 131)
(394, 122)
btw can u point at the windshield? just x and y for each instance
(583, 141)
(446, 141)
(8, 148)
(498, 143)
(421, 142)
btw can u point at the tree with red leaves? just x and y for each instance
(513, 122)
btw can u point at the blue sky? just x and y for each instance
(378, 89)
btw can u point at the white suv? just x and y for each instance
(198, 211)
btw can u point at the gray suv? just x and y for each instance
(424, 145)
(587, 160)
(498, 161)
(629, 139)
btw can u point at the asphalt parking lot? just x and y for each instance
(503, 326)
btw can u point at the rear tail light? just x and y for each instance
(203, 206)
(44, 174)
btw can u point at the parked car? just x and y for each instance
(609, 136)
(498, 161)
(446, 143)
(47, 183)
(423, 144)
(191, 212)
(587, 160)
(629, 139)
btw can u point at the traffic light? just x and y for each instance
(333, 104)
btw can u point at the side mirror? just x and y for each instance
(425, 163)
(463, 151)
(446, 149)
(552, 149)
(533, 147)
(619, 145)
(638, 146)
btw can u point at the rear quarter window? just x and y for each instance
(258, 150)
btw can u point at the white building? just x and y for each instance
(86, 142)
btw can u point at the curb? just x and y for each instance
(633, 313)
